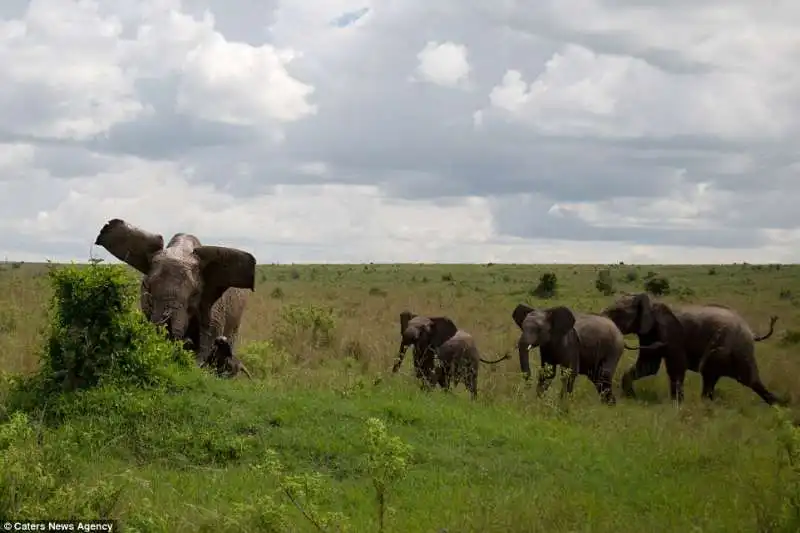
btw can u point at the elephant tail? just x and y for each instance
(772, 320)
(650, 346)
(503, 358)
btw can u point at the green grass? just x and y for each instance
(190, 456)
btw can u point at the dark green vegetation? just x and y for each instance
(138, 434)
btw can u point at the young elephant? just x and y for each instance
(222, 360)
(458, 355)
(586, 344)
(710, 339)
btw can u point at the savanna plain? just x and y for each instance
(326, 438)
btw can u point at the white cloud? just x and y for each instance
(584, 130)
(241, 84)
(62, 67)
(581, 92)
(443, 64)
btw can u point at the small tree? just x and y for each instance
(547, 287)
(657, 285)
(604, 282)
(97, 335)
(387, 462)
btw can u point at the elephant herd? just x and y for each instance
(712, 340)
(198, 293)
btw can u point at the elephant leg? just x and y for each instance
(759, 388)
(568, 376)
(646, 365)
(602, 383)
(546, 376)
(710, 380)
(746, 373)
(471, 381)
(442, 379)
(677, 375)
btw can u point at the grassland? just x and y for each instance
(320, 341)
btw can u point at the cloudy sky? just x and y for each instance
(405, 130)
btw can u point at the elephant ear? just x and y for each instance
(130, 244)
(442, 328)
(519, 314)
(644, 309)
(405, 318)
(561, 319)
(222, 268)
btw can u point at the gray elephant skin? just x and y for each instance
(197, 292)
(587, 344)
(713, 340)
(439, 337)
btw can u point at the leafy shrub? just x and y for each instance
(377, 291)
(387, 461)
(777, 505)
(308, 322)
(98, 336)
(547, 287)
(657, 285)
(37, 479)
(790, 337)
(632, 275)
(604, 282)
(264, 358)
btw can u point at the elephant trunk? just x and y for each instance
(178, 323)
(175, 320)
(401, 352)
(524, 358)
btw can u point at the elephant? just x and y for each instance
(439, 337)
(711, 339)
(222, 360)
(198, 292)
(584, 343)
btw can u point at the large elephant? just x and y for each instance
(197, 292)
(586, 344)
(713, 340)
(439, 337)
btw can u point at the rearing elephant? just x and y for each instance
(198, 292)
(587, 344)
(710, 339)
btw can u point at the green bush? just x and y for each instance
(38, 477)
(305, 323)
(657, 285)
(604, 282)
(547, 287)
(97, 335)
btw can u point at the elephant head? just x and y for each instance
(540, 327)
(182, 281)
(654, 322)
(424, 333)
(661, 336)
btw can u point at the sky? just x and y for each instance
(457, 131)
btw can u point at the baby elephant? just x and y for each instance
(584, 343)
(222, 360)
(443, 353)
